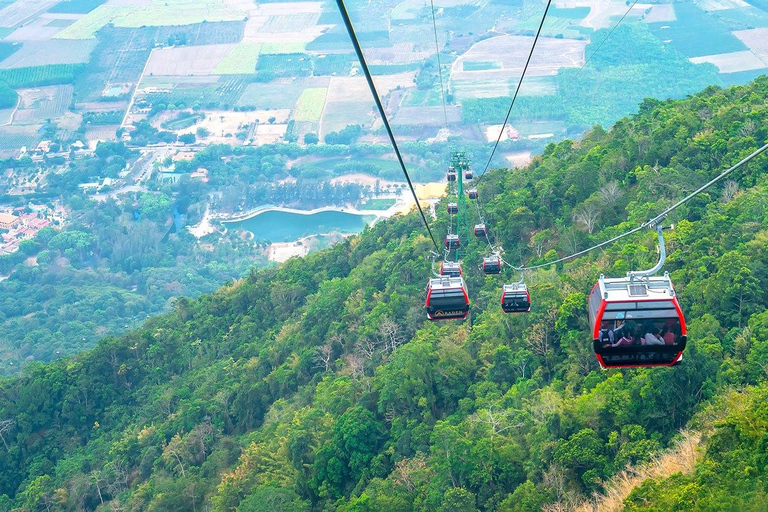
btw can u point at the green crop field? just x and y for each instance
(309, 106)
(287, 65)
(422, 98)
(40, 75)
(240, 61)
(223, 94)
(696, 33)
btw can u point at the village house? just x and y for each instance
(8, 221)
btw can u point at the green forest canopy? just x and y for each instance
(319, 385)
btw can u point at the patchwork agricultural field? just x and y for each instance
(271, 95)
(187, 60)
(241, 60)
(43, 53)
(152, 13)
(309, 106)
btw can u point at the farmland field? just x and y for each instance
(40, 75)
(291, 22)
(187, 60)
(427, 116)
(732, 62)
(41, 103)
(14, 137)
(8, 49)
(43, 53)
(289, 64)
(240, 61)
(23, 10)
(422, 98)
(480, 66)
(271, 95)
(756, 40)
(283, 48)
(338, 115)
(696, 34)
(742, 19)
(224, 93)
(309, 106)
(338, 64)
(157, 13)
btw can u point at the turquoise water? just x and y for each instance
(277, 226)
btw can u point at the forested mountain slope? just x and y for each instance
(320, 386)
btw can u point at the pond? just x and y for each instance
(287, 226)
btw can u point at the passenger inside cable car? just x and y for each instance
(515, 298)
(636, 322)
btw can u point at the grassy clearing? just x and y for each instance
(377, 204)
(240, 61)
(309, 106)
(283, 48)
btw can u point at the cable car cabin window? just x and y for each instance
(472, 194)
(491, 265)
(515, 301)
(646, 337)
(453, 208)
(451, 269)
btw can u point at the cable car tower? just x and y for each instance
(460, 163)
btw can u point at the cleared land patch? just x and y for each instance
(283, 48)
(240, 61)
(732, 62)
(41, 103)
(511, 53)
(757, 41)
(309, 106)
(43, 53)
(14, 137)
(187, 60)
(720, 5)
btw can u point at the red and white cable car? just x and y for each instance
(447, 299)
(636, 320)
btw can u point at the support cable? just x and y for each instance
(652, 223)
(372, 87)
(517, 90)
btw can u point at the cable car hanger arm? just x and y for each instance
(655, 220)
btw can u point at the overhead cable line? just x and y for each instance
(658, 218)
(372, 87)
(517, 90)
(439, 68)
(632, 5)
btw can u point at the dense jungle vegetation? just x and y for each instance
(319, 385)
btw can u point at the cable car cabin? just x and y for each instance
(453, 208)
(450, 269)
(515, 298)
(472, 194)
(636, 322)
(451, 176)
(492, 265)
(447, 299)
(468, 175)
(452, 242)
(480, 230)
